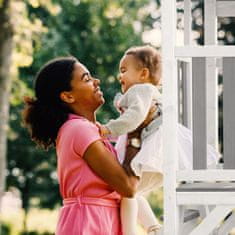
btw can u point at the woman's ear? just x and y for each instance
(145, 73)
(67, 97)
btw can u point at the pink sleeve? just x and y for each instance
(84, 134)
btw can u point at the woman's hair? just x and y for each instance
(148, 57)
(45, 114)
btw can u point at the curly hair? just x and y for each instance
(45, 113)
(147, 56)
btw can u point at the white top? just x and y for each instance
(136, 103)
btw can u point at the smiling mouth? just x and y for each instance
(98, 91)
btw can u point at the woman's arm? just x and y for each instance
(103, 163)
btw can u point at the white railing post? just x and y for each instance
(170, 116)
(210, 32)
(188, 66)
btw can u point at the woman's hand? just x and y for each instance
(104, 131)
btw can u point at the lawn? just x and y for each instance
(44, 220)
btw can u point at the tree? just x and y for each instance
(97, 33)
(6, 49)
(16, 36)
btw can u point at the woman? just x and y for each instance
(91, 180)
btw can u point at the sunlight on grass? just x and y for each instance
(44, 220)
(14, 220)
(47, 218)
(38, 220)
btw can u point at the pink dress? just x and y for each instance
(90, 206)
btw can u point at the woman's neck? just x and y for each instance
(89, 115)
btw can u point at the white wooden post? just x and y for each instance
(229, 112)
(187, 22)
(171, 219)
(188, 66)
(199, 114)
(210, 32)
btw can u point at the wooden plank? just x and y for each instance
(170, 116)
(225, 8)
(206, 198)
(187, 22)
(171, 213)
(212, 102)
(199, 113)
(206, 175)
(210, 32)
(227, 225)
(229, 112)
(180, 90)
(210, 27)
(209, 223)
(187, 94)
(207, 187)
(205, 51)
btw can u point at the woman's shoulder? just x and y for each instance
(79, 125)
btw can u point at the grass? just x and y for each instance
(40, 220)
(44, 220)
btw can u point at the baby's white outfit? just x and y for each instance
(148, 162)
(136, 102)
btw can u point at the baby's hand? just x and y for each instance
(104, 131)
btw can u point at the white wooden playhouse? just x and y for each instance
(199, 201)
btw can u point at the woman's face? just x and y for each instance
(85, 90)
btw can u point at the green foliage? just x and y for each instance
(30, 169)
(97, 33)
(5, 229)
(35, 233)
(156, 201)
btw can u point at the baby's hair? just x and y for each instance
(148, 57)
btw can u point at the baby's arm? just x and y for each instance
(138, 101)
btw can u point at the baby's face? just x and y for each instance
(129, 74)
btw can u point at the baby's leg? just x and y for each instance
(147, 217)
(129, 212)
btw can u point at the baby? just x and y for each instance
(140, 75)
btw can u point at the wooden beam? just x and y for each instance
(229, 112)
(170, 116)
(206, 175)
(206, 198)
(199, 113)
(225, 8)
(205, 51)
(209, 223)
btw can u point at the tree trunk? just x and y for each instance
(25, 227)
(6, 47)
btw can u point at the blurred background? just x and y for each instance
(97, 32)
